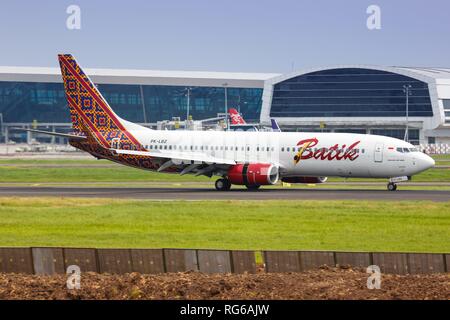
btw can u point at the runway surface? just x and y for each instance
(212, 194)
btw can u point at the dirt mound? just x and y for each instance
(326, 283)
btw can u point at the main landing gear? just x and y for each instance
(223, 185)
(392, 186)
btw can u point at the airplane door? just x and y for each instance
(378, 154)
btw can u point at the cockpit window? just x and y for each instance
(407, 150)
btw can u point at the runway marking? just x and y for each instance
(237, 194)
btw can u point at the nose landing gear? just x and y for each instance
(392, 186)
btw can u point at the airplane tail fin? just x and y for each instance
(89, 110)
(236, 118)
(275, 126)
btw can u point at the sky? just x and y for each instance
(235, 35)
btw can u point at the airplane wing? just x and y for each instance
(195, 163)
(181, 156)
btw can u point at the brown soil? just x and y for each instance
(325, 283)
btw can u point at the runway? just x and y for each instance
(211, 194)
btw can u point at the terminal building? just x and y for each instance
(350, 98)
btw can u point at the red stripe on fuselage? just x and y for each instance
(99, 101)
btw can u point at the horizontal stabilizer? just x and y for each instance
(56, 134)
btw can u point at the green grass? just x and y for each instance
(22, 173)
(13, 171)
(441, 157)
(315, 225)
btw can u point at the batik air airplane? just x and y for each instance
(252, 159)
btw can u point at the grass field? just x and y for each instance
(67, 171)
(314, 225)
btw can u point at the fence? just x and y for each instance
(153, 261)
(442, 148)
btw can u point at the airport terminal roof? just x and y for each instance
(201, 78)
(144, 77)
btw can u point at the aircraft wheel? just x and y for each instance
(253, 187)
(392, 186)
(223, 185)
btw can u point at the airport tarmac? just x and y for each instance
(155, 193)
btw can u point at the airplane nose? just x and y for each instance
(425, 162)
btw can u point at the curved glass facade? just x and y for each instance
(23, 102)
(350, 92)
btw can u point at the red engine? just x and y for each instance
(304, 179)
(253, 174)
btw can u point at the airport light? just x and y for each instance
(408, 91)
(226, 101)
(188, 102)
(143, 104)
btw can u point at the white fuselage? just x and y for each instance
(328, 155)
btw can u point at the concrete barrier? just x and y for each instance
(391, 262)
(425, 263)
(314, 259)
(214, 261)
(86, 259)
(48, 260)
(114, 261)
(16, 260)
(281, 261)
(243, 261)
(147, 261)
(180, 260)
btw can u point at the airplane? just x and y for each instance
(235, 117)
(251, 159)
(275, 126)
(238, 120)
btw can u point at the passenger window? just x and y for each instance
(282, 149)
(400, 150)
(287, 149)
(406, 150)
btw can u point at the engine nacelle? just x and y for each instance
(253, 174)
(304, 179)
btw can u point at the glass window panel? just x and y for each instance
(349, 92)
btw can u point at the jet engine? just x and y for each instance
(254, 174)
(304, 179)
